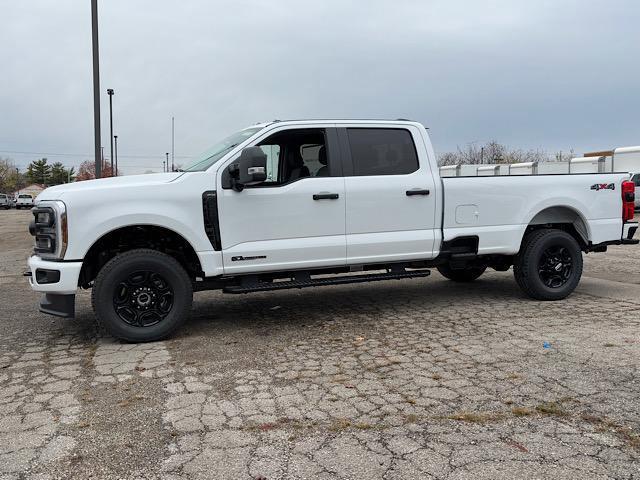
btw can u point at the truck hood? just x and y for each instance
(130, 181)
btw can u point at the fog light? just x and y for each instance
(47, 276)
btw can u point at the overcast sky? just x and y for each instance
(532, 74)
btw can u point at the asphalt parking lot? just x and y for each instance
(404, 379)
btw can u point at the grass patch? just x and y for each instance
(605, 425)
(522, 411)
(551, 408)
(340, 424)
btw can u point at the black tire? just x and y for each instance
(156, 278)
(464, 275)
(549, 265)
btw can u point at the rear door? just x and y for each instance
(391, 201)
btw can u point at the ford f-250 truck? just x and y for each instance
(292, 204)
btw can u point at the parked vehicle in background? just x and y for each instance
(24, 200)
(5, 201)
(295, 204)
(636, 180)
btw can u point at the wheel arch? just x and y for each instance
(133, 236)
(562, 217)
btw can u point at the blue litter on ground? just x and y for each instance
(546, 345)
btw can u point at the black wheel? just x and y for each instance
(549, 265)
(468, 274)
(142, 295)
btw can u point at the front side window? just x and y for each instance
(272, 152)
(295, 154)
(382, 151)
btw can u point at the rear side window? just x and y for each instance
(382, 151)
(636, 179)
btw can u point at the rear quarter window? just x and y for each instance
(382, 151)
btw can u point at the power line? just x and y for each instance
(16, 152)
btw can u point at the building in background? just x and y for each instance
(34, 189)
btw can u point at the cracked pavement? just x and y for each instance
(392, 380)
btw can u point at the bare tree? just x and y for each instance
(491, 152)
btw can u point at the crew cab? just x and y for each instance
(295, 204)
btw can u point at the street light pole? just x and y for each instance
(110, 93)
(166, 169)
(163, 167)
(115, 172)
(173, 166)
(96, 87)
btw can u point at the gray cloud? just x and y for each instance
(546, 74)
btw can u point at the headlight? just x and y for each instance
(49, 227)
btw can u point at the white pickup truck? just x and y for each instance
(293, 204)
(24, 200)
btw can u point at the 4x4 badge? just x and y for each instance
(603, 186)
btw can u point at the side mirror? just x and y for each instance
(250, 169)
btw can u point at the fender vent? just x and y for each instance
(211, 220)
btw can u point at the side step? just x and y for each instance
(251, 284)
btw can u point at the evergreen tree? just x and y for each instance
(39, 171)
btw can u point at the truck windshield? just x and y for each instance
(216, 152)
(24, 196)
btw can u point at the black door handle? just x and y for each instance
(410, 193)
(325, 196)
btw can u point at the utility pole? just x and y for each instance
(96, 87)
(482, 155)
(163, 166)
(166, 169)
(173, 165)
(110, 93)
(115, 137)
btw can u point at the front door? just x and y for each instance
(296, 218)
(391, 201)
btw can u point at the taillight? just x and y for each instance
(628, 200)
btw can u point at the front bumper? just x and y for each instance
(58, 281)
(66, 284)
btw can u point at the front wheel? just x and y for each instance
(549, 265)
(467, 274)
(142, 295)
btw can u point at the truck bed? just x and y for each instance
(498, 209)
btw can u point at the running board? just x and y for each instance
(254, 285)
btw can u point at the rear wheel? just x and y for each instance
(468, 274)
(142, 295)
(549, 265)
